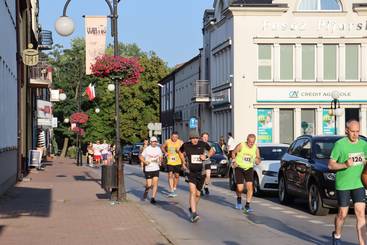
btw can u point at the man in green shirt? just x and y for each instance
(348, 159)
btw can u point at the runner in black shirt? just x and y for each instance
(194, 152)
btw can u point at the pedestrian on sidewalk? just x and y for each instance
(97, 153)
(90, 154)
(348, 158)
(194, 151)
(151, 157)
(244, 157)
(104, 151)
(231, 144)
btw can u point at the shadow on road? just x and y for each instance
(285, 228)
(230, 243)
(22, 201)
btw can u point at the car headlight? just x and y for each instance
(270, 173)
(224, 161)
(329, 176)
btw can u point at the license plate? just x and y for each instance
(213, 166)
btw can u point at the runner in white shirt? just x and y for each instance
(105, 148)
(151, 157)
(231, 145)
(97, 153)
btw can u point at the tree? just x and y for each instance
(139, 103)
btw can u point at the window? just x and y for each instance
(264, 58)
(286, 122)
(308, 121)
(297, 146)
(320, 5)
(351, 62)
(286, 62)
(330, 62)
(308, 62)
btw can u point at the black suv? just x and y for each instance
(304, 173)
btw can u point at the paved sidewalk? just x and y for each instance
(64, 204)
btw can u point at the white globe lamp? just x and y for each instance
(97, 110)
(335, 95)
(338, 112)
(66, 120)
(64, 26)
(111, 87)
(62, 96)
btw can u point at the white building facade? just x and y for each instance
(274, 65)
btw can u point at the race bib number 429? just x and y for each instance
(358, 158)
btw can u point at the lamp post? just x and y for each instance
(65, 27)
(336, 111)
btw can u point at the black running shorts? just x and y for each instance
(152, 174)
(244, 175)
(357, 195)
(176, 169)
(197, 179)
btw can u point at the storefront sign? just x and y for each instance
(54, 95)
(310, 94)
(44, 109)
(221, 97)
(44, 122)
(328, 123)
(321, 25)
(264, 125)
(54, 122)
(95, 39)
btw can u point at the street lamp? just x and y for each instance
(65, 26)
(111, 87)
(97, 110)
(66, 120)
(62, 96)
(335, 109)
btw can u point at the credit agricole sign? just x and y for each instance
(310, 94)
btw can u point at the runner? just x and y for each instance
(194, 150)
(207, 164)
(170, 149)
(244, 156)
(97, 153)
(348, 158)
(104, 151)
(230, 145)
(90, 154)
(151, 157)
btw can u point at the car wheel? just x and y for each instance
(232, 182)
(283, 195)
(257, 190)
(314, 201)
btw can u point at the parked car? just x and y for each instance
(304, 173)
(126, 150)
(266, 173)
(219, 161)
(134, 154)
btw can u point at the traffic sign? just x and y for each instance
(193, 123)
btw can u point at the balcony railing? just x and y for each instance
(201, 91)
(40, 75)
(45, 40)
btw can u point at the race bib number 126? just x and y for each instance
(358, 158)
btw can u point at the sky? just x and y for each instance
(170, 28)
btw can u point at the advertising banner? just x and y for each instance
(328, 123)
(264, 125)
(95, 39)
(44, 109)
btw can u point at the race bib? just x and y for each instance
(173, 159)
(154, 160)
(247, 158)
(358, 158)
(195, 159)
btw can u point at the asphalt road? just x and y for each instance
(271, 223)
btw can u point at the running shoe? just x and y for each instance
(172, 194)
(202, 193)
(194, 218)
(239, 206)
(206, 189)
(145, 195)
(336, 241)
(247, 210)
(153, 201)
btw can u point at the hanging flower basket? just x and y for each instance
(78, 130)
(125, 70)
(79, 117)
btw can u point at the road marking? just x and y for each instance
(288, 212)
(276, 208)
(265, 204)
(301, 216)
(332, 225)
(315, 221)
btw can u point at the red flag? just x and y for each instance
(90, 91)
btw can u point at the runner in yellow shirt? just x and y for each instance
(170, 149)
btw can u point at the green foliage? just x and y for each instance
(139, 104)
(71, 152)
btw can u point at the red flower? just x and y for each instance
(79, 117)
(126, 70)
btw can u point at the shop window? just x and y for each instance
(264, 62)
(330, 62)
(320, 5)
(286, 62)
(308, 62)
(351, 62)
(308, 121)
(286, 125)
